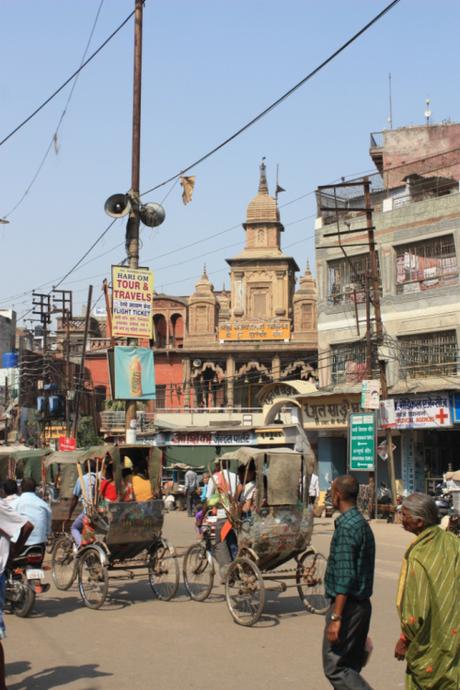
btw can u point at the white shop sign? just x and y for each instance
(423, 411)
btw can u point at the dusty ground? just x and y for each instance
(135, 642)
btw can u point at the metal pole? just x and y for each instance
(82, 363)
(67, 371)
(379, 328)
(132, 226)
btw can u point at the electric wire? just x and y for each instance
(279, 100)
(67, 81)
(53, 139)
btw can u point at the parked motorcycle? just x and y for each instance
(23, 577)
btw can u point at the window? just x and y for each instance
(428, 354)
(160, 403)
(349, 362)
(346, 279)
(426, 265)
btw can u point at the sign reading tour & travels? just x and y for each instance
(132, 302)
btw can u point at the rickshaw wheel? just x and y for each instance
(163, 572)
(93, 579)
(244, 591)
(309, 577)
(198, 572)
(63, 563)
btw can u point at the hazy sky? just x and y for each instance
(209, 66)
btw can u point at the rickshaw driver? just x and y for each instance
(89, 479)
(220, 488)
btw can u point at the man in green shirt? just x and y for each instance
(349, 580)
(429, 600)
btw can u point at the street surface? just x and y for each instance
(136, 643)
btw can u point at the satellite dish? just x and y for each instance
(152, 214)
(197, 363)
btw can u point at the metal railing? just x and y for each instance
(376, 140)
(115, 419)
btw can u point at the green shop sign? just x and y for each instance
(361, 442)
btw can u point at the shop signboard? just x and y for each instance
(132, 302)
(255, 330)
(456, 408)
(423, 411)
(67, 443)
(132, 373)
(361, 442)
(205, 438)
(328, 412)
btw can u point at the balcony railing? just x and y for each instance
(376, 140)
(114, 420)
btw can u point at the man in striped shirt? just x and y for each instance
(349, 580)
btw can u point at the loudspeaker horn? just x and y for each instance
(117, 205)
(152, 214)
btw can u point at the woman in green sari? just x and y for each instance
(429, 600)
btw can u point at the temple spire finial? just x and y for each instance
(263, 186)
(205, 273)
(308, 266)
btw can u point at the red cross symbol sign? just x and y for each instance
(442, 415)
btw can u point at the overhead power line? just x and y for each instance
(53, 140)
(279, 100)
(67, 81)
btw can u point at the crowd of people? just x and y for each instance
(429, 586)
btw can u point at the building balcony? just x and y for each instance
(113, 422)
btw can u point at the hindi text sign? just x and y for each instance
(362, 442)
(132, 302)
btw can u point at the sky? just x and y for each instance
(209, 66)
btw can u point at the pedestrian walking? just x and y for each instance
(191, 485)
(428, 600)
(349, 581)
(313, 491)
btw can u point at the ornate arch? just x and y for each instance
(306, 370)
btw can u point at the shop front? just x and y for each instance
(429, 426)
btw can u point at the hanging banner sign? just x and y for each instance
(370, 394)
(132, 373)
(205, 438)
(387, 418)
(423, 411)
(132, 302)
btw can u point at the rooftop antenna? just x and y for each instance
(427, 111)
(390, 114)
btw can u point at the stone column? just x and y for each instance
(276, 368)
(230, 379)
(186, 379)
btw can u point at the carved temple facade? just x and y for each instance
(218, 348)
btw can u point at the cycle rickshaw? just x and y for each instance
(127, 535)
(279, 529)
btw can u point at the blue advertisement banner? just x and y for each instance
(134, 373)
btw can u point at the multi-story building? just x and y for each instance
(416, 215)
(216, 349)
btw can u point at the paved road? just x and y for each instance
(135, 642)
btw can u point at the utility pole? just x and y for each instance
(81, 373)
(372, 290)
(375, 282)
(62, 300)
(41, 306)
(132, 226)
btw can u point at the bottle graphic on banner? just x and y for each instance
(135, 377)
